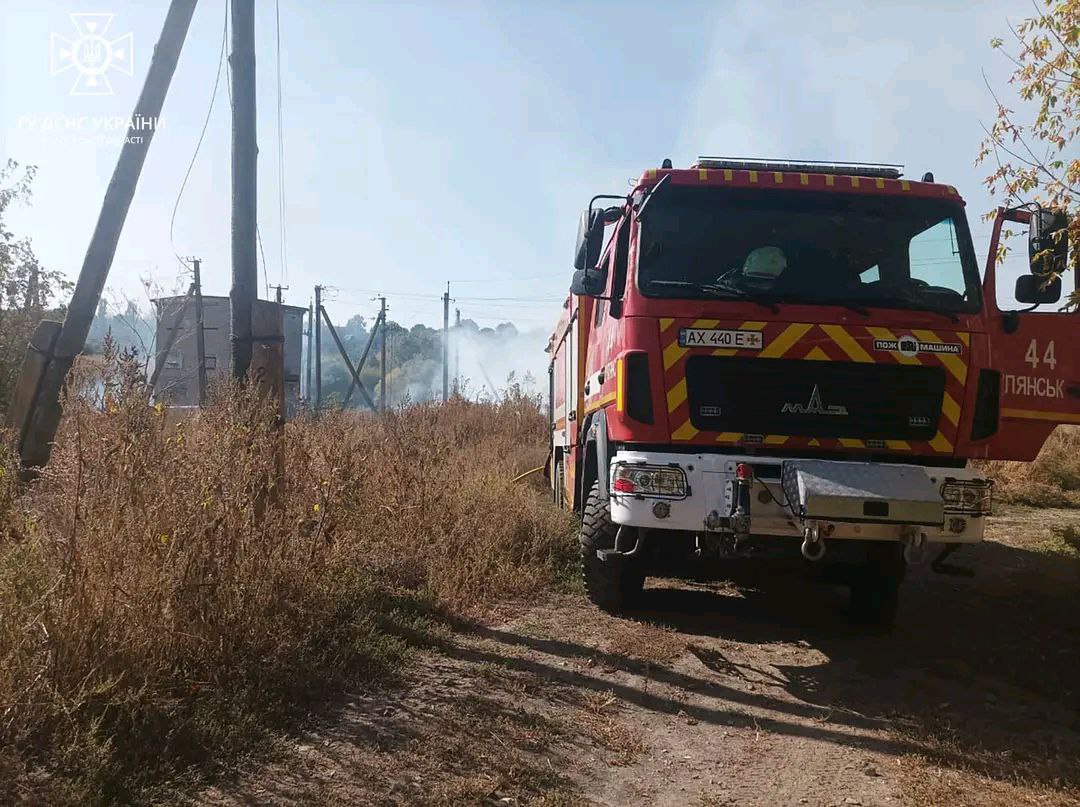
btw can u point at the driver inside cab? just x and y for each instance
(760, 271)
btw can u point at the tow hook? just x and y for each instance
(914, 547)
(813, 545)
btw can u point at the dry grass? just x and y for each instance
(1052, 480)
(597, 718)
(163, 604)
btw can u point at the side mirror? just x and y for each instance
(588, 283)
(1048, 242)
(590, 239)
(1030, 289)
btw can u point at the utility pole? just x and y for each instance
(277, 292)
(382, 360)
(457, 350)
(43, 412)
(446, 343)
(200, 337)
(309, 334)
(318, 347)
(245, 270)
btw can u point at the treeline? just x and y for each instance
(481, 358)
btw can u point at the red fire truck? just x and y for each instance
(761, 357)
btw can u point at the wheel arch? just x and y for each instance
(595, 453)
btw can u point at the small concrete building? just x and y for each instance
(179, 381)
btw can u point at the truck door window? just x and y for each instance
(618, 274)
(934, 256)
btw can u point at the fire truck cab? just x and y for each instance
(762, 357)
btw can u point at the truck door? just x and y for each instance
(1033, 348)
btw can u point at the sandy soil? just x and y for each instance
(716, 694)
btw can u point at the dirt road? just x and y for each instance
(717, 695)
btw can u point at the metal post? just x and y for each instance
(446, 343)
(318, 347)
(307, 370)
(170, 340)
(382, 360)
(45, 417)
(200, 336)
(457, 350)
(245, 271)
(348, 363)
(363, 358)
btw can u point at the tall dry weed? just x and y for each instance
(1052, 480)
(164, 598)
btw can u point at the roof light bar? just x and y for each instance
(805, 167)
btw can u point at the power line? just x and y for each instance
(266, 277)
(202, 134)
(283, 269)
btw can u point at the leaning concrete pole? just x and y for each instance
(44, 414)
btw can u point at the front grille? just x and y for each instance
(814, 398)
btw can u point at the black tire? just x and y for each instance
(613, 584)
(875, 588)
(560, 484)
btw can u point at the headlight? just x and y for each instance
(666, 481)
(967, 496)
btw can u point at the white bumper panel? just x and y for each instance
(710, 480)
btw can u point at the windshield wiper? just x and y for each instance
(950, 314)
(720, 291)
(858, 309)
(743, 294)
(913, 305)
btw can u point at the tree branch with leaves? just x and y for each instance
(1030, 146)
(26, 288)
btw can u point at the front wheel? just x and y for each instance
(615, 583)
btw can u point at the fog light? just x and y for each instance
(661, 509)
(957, 525)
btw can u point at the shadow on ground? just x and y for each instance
(979, 674)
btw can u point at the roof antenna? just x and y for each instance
(928, 176)
(666, 163)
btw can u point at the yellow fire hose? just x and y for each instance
(527, 473)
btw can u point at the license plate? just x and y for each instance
(715, 337)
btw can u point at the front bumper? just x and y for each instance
(709, 500)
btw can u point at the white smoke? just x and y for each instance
(486, 361)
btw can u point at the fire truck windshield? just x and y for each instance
(817, 248)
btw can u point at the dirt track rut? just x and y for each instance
(714, 695)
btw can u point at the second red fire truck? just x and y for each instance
(798, 357)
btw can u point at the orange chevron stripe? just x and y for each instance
(847, 343)
(785, 341)
(954, 364)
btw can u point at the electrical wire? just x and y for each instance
(283, 269)
(266, 275)
(202, 134)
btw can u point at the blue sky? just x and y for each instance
(435, 141)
